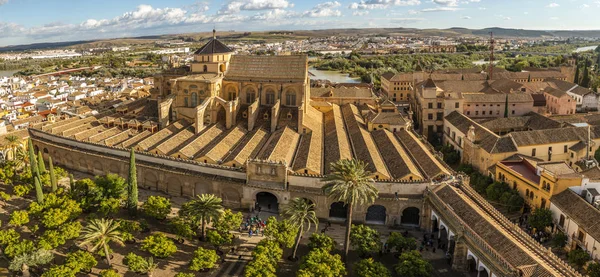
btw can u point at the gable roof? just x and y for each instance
(583, 213)
(213, 46)
(246, 67)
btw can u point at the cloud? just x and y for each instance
(382, 4)
(360, 13)
(452, 3)
(326, 9)
(440, 9)
(554, 18)
(482, 8)
(553, 5)
(584, 6)
(506, 18)
(274, 14)
(407, 20)
(2, 2)
(413, 12)
(466, 17)
(236, 6)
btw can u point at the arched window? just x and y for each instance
(290, 98)
(231, 93)
(194, 99)
(185, 102)
(250, 95)
(270, 97)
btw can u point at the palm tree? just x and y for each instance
(300, 212)
(99, 233)
(13, 142)
(205, 207)
(349, 182)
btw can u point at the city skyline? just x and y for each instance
(31, 21)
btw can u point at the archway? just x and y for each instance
(410, 216)
(376, 215)
(483, 271)
(338, 210)
(114, 168)
(472, 266)
(150, 180)
(221, 114)
(267, 202)
(174, 186)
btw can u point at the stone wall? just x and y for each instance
(187, 178)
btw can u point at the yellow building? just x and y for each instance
(537, 181)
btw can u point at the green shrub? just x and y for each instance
(4, 196)
(51, 239)
(60, 271)
(19, 218)
(157, 207)
(203, 259)
(21, 190)
(181, 274)
(159, 245)
(19, 248)
(321, 241)
(9, 236)
(135, 263)
(81, 260)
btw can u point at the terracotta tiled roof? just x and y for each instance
(420, 154)
(505, 246)
(337, 145)
(292, 67)
(395, 157)
(583, 213)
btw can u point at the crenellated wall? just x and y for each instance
(187, 178)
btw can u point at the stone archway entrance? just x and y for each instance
(338, 211)
(410, 216)
(376, 215)
(267, 202)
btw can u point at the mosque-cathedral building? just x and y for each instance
(245, 127)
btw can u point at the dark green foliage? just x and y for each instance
(540, 218)
(480, 182)
(451, 156)
(411, 264)
(319, 262)
(321, 241)
(41, 165)
(157, 207)
(159, 245)
(401, 243)
(111, 185)
(81, 260)
(204, 259)
(576, 79)
(593, 269)
(39, 194)
(32, 161)
(559, 240)
(364, 239)
(502, 193)
(281, 231)
(53, 182)
(370, 268)
(578, 257)
(132, 187)
(265, 256)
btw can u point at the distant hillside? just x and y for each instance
(299, 34)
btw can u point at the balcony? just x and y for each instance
(579, 241)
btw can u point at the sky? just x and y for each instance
(35, 21)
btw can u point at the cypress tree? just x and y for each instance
(598, 63)
(132, 189)
(32, 160)
(52, 176)
(585, 79)
(506, 107)
(41, 165)
(39, 194)
(576, 79)
(529, 79)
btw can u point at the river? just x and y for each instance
(583, 49)
(333, 76)
(8, 73)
